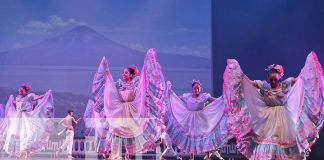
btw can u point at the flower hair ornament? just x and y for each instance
(133, 67)
(26, 87)
(277, 67)
(196, 82)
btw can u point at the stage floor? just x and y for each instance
(52, 156)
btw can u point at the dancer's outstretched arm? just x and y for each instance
(37, 97)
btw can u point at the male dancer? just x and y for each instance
(68, 123)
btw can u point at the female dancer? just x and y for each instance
(29, 122)
(132, 106)
(284, 116)
(197, 122)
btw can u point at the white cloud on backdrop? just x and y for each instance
(38, 27)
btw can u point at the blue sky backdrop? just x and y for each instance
(172, 26)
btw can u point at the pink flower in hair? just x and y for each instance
(196, 81)
(26, 87)
(276, 67)
(136, 71)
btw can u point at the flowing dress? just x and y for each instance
(28, 123)
(132, 111)
(281, 123)
(195, 125)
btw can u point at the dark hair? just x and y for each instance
(69, 111)
(131, 71)
(273, 71)
(194, 83)
(275, 68)
(26, 87)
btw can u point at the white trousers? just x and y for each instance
(68, 143)
(167, 142)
